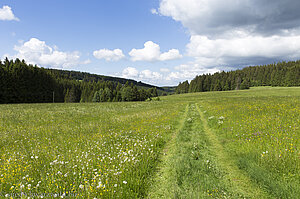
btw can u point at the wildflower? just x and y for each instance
(124, 182)
(81, 186)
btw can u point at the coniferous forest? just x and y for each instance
(23, 83)
(283, 74)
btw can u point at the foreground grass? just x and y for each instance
(236, 144)
(85, 150)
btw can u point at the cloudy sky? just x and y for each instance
(161, 42)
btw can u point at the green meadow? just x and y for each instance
(232, 144)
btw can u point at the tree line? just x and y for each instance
(24, 83)
(280, 74)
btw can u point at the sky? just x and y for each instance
(161, 42)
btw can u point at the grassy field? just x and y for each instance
(235, 144)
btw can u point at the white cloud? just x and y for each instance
(38, 52)
(151, 52)
(6, 14)
(214, 17)
(109, 55)
(130, 72)
(147, 76)
(165, 76)
(235, 33)
(237, 49)
(170, 55)
(189, 71)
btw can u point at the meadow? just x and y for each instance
(233, 144)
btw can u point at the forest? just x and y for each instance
(25, 83)
(284, 74)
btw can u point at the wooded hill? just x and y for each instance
(281, 74)
(23, 83)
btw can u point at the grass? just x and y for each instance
(235, 144)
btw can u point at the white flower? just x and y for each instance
(124, 182)
(6, 195)
(81, 186)
(115, 185)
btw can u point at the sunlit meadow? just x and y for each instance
(85, 150)
(260, 128)
(112, 150)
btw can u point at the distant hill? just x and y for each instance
(84, 76)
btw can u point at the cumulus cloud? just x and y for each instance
(130, 72)
(218, 16)
(109, 55)
(7, 14)
(38, 52)
(166, 76)
(189, 71)
(243, 49)
(144, 75)
(151, 52)
(231, 33)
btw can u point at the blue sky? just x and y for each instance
(160, 42)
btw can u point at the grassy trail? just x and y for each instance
(165, 170)
(239, 181)
(196, 165)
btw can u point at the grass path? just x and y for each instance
(240, 182)
(165, 172)
(195, 165)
